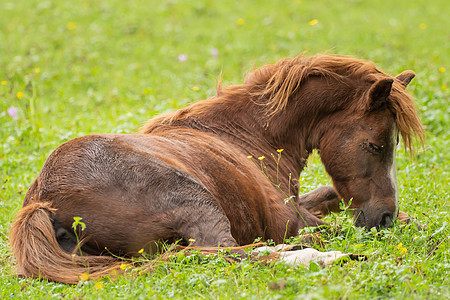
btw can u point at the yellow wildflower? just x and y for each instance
(240, 21)
(313, 22)
(415, 237)
(37, 70)
(280, 150)
(249, 157)
(71, 25)
(191, 240)
(84, 276)
(423, 26)
(261, 157)
(123, 266)
(195, 88)
(19, 95)
(140, 251)
(442, 69)
(402, 249)
(98, 285)
(444, 86)
(4, 82)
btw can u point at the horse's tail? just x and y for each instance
(39, 255)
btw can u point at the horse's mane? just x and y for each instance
(271, 86)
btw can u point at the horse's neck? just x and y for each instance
(249, 130)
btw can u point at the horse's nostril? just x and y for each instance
(386, 220)
(359, 218)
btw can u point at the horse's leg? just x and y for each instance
(321, 201)
(204, 226)
(290, 255)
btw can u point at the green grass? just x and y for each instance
(108, 66)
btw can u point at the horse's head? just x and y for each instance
(359, 151)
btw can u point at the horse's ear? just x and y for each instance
(379, 92)
(405, 77)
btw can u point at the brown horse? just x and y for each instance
(191, 174)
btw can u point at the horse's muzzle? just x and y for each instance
(364, 219)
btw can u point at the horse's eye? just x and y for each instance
(375, 149)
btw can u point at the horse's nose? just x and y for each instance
(386, 220)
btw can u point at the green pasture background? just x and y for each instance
(71, 68)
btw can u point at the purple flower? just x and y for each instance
(214, 52)
(12, 112)
(182, 57)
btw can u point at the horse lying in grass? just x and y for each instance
(191, 175)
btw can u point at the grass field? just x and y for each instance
(70, 68)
